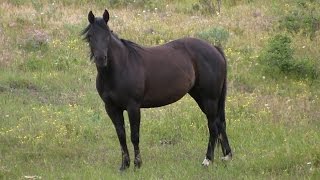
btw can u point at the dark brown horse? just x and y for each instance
(131, 77)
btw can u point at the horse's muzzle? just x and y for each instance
(101, 61)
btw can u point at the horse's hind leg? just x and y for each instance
(216, 126)
(223, 138)
(210, 108)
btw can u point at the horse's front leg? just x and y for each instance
(134, 118)
(116, 115)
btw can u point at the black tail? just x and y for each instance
(222, 116)
(226, 150)
(221, 108)
(222, 102)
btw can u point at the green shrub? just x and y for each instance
(214, 6)
(215, 35)
(231, 3)
(206, 7)
(34, 45)
(18, 2)
(278, 55)
(295, 22)
(303, 17)
(306, 68)
(118, 3)
(146, 4)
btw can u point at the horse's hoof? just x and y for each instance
(206, 162)
(123, 168)
(137, 163)
(227, 157)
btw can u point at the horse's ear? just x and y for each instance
(106, 16)
(91, 17)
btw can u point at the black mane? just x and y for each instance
(131, 46)
(84, 32)
(85, 35)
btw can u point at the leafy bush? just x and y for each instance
(278, 55)
(117, 3)
(215, 35)
(33, 45)
(297, 22)
(230, 3)
(147, 4)
(18, 2)
(305, 68)
(301, 18)
(214, 6)
(206, 6)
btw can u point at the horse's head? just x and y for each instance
(98, 36)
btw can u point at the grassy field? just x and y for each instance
(53, 124)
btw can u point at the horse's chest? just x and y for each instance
(113, 96)
(120, 91)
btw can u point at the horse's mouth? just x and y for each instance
(101, 62)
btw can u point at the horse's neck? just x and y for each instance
(117, 52)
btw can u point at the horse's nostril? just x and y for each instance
(100, 58)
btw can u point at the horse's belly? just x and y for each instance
(166, 89)
(161, 100)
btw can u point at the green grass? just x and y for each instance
(53, 124)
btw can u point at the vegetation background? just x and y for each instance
(53, 124)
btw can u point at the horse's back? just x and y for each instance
(200, 52)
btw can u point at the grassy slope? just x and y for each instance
(52, 122)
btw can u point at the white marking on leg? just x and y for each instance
(206, 162)
(227, 157)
